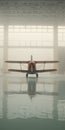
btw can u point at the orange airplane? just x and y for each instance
(32, 67)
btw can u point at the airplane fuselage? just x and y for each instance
(32, 68)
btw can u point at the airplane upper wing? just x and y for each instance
(9, 61)
(46, 61)
(24, 62)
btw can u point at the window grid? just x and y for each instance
(33, 36)
(1, 35)
(61, 35)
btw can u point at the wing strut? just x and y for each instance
(20, 66)
(43, 66)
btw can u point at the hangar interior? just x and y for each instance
(32, 27)
(37, 28)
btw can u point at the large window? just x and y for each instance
(30, 36)
(1, 45)
(1, 35)
(27, 40)
(61, 35)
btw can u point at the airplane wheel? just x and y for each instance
(27, 75)
(37, 75)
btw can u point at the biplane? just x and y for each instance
(32, 66)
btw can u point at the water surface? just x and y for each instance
(32, 103)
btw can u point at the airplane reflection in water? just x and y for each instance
(47, 99)
(31, 89)
(47, 108)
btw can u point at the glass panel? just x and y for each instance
(1, 59)
(40, 35)
(1, 35)
(61, 35)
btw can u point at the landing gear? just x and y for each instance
(27, 75)
(37, 75)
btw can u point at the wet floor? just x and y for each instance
(32, 103)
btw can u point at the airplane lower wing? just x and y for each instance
(15, 70)
(46, 70)
(38, 71)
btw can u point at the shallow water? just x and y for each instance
(32, 103)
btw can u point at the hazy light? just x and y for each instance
(61, 35)
(26, 35)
